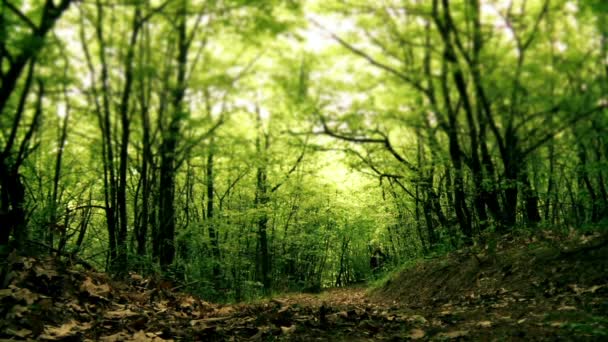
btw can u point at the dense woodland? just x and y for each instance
(244, 147)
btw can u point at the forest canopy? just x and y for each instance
(243, 147)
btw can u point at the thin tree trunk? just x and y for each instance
(125, 120)
(168, 150)
(213, 233)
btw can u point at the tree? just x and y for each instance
(20, 43)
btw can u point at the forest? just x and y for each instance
(242, 149)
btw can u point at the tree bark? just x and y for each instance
(168, 150)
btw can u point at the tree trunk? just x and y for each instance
(168, 151)
(125, 120)
(261, 202)
(50, 14)
(56, 177)
(213, 233)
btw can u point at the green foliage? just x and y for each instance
(383, 279)
(323, 141)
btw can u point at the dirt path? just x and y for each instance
(348, 314)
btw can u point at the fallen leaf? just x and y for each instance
(580, 290)
(226, 310)
(454, 334)
(499, 305)
(141, 336)
(594, 288)
(484, 324)
(74, 306)
(23, 333)
(417, 319)
(99, 291)
(118, 337)
(46, 272)
(180, 314)
(25, 295)
(288, 330)
(118, 314)
(187, 302)
(417, 334)
(445, 313)
(60, 332)
(196, 322)
(28, 263)
(136, 277)
(17, 311)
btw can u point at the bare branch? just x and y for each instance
(384, 140)
(576, 118)
(293, 168)
(20, 14)
(372, 60)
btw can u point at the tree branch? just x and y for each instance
(365, 140)
(20, 14)
(372, 60)
(293, 168)
(551, 135)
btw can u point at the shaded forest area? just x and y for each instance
(237, 149)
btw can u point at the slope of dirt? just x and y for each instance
(552, 289)
(542, 287)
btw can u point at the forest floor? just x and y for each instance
(546, 287)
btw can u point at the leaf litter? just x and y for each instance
(524, 293)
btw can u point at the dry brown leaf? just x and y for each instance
(180, 314)
(187, 302)
(141, 336)
(445, 313)
(226, 310)
(417, 319)
(23, 333)
(46, 272)
(75, 306)
(196, 322)
(118, 314)
(100, 291)
(17, 311)
(454, 334)
(25, 295)
(417, 334)
(594, 288)
(136, 277)
(161, 306)
(288, 330)
(28, 263)
(484, 324)
(60, 332)
(580, 290)
(118, 337)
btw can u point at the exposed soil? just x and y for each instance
(542, 288)
(546, 287)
